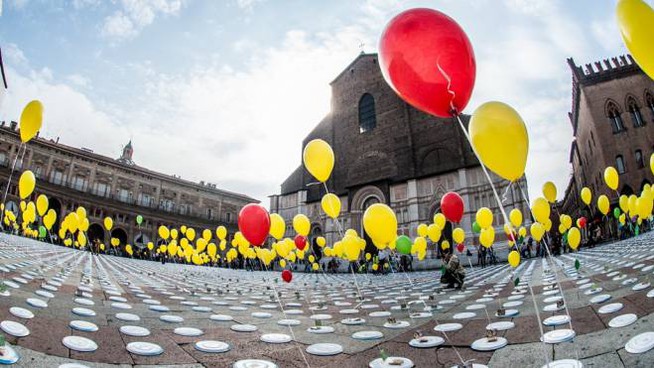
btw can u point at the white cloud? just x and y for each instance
(247, 5)
(136, 15)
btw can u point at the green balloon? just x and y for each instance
(42, 231)
(403, 244)
(139, 219)
(476, 228)
(616, 212)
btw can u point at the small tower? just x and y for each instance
(126, 157)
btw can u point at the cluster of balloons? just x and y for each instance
(186, 244)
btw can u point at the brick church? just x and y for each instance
(387, 151)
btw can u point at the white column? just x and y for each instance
(412, 206)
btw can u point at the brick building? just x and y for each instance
(387, 151)
(117, 188)
(612, 120)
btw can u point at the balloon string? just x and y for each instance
(449, 84)
(554, 266)
(281, 306)
(11, 173)
(540, 325)
(483, 167)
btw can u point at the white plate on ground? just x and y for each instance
(556, 320)
(14, 328)
(144, 348)
(380, 314)
(557, 336)
(84, 312)
(500, 326)
(324, 349)
(137, 331)
(289, 322)
(321, 329)
(367, 335)
(171, 318)
(464, 315)
(10, 357)
(623, 320)
(564, 363)
(380, 363)
(254, 363)
(21, 312)
(508, 313)
(37, 303)
(79, 343)
(475, 307)
(427, 342)
(600, 298)
(640, 343)
(640, 286)
(128, 317)
(275, 338)
(398, 324)
(244, 328)
(159, 308)
(650, 294)
(188, 331)
(221, 317)
(484, 345)
(212, 346)
(512, 304)
(83, 326)
(353, 321)
(610, 308)
(448, 327)
(552, 308)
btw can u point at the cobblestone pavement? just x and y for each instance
(63, 301)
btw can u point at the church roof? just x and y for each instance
(294, 182)
(362, 55)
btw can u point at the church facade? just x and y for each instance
(116, 188)
(388, 152)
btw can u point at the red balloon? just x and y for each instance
(460, 247)
(452, 206)
(287, 276)
(254, 223)
(426, 57)
(300, 242)
(582, 222)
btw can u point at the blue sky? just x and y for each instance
(224, 91)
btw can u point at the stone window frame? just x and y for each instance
(649, 100)
(633, 107)
(620, 164)
(613, 113)
(367, 113)
(640, 160)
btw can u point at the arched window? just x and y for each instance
(634, 110)
(613, 113)
(619, 163)
(367, 118)
(369, 202)
(639, 159)
(649, 100)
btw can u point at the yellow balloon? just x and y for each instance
(574, 237)
(380, 224)
(318, 158)
(321, 241)
(26, 184)
(439, 220)
(644, 205)
(515, 216)
(42, 204)
(277, 226)
(633, 205)
(282, 263)
(81, 213)
(206, 234)
(540, 209)
(422, 230)
(301, 224)
(549, 191)
(635, 18)
(611, 177)
(108, 223)
(458, 235)
(651, 165)
(487, 236)
(514, 258)
(445, 245)
(49, 219)
(499, 136)
(150, 245)
(434, 232)
(484, 217)
(603, 204)
(200, 245)
(164, 233)
(537, 231)
(566, 221)
(190, 233)
(586, 195)
(331, 205)
(522, 232)
(221, 232)
(624, 203)
(30, 120)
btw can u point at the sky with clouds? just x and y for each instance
(224, 91)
